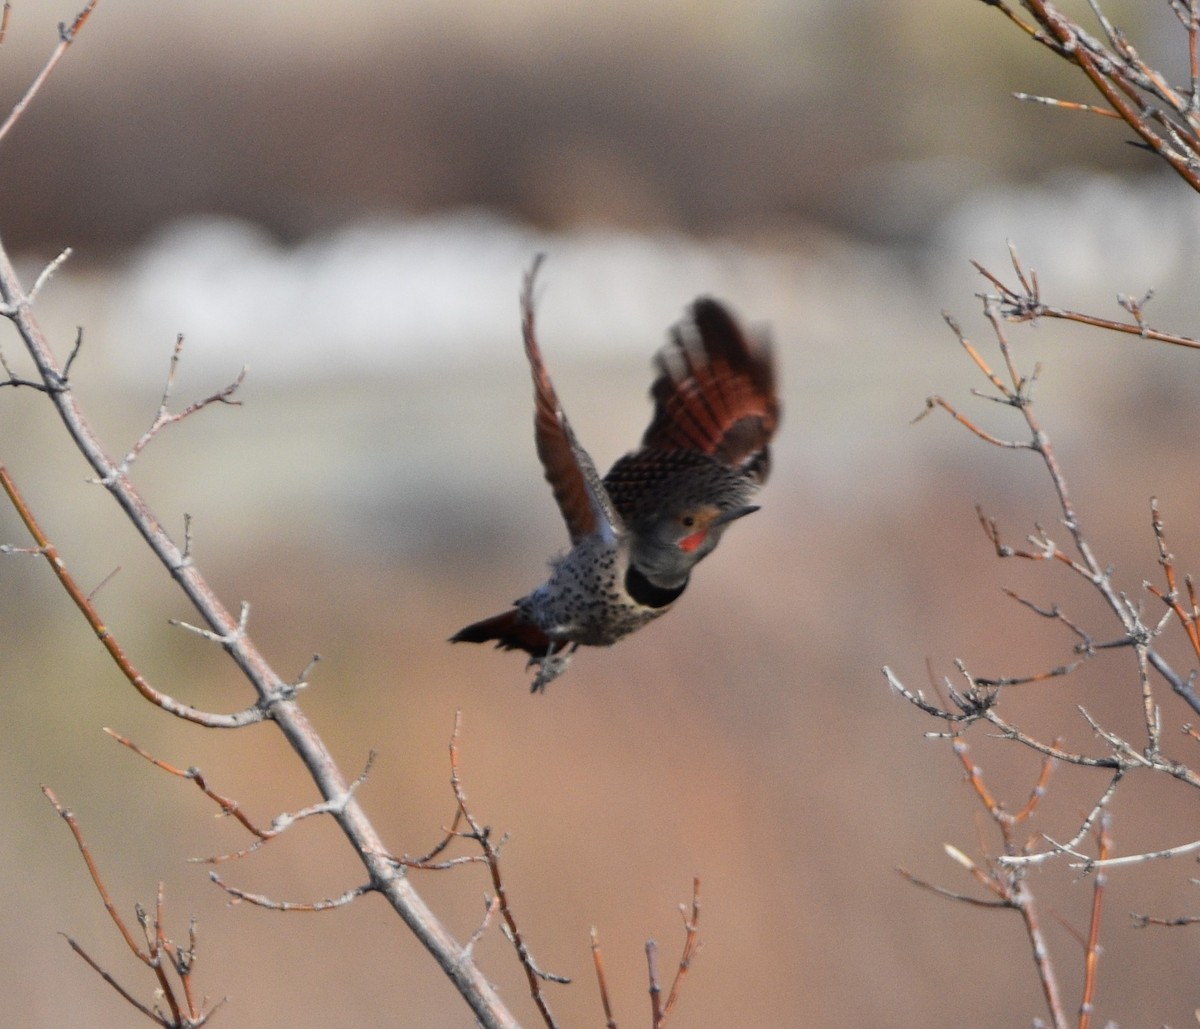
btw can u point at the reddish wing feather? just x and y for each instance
(715, 390)
(554, 448)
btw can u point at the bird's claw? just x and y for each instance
(550, 666)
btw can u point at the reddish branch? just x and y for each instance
(84, 602)
(660, 1010)
(1009, 886)
(66, 36)
(1165, 118)
(160, 954)
(1026, 305)
(274, 697)
(279, 824)
(602, 981)
(1167, 122)
(1091, 954)
(491, 851)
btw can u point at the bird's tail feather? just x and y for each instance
(510, 630)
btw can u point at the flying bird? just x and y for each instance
(637, 533)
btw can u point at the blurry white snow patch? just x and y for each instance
(1089, 237)
(386, 296)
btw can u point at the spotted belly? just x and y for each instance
(585, 600)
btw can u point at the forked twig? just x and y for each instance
(163, 417)
(83, 601)
(1164, 118)
(691, 944)
(160, 953)
(275, 697)
(1024, 303)
(660, 1008)
(279, 824)
(1008, 886)
(66, 36)
(482, 835)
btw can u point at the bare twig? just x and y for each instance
(598, 961)
(656, 1008)
(279, 824)
(1009, 886)
(164, 418)
(691, 943)
(1091, 959)
(1068, 848)
(227, 806)
(1164, 118)
(82, 601)
(66, 36)
(275, 698)
(1025, 304)
(533, 974)
(263, 901)
(184, 1010)
(1067, 105)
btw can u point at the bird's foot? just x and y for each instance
(550, 666)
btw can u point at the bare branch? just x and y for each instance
(94, 872)
(534, 976)
(1091, 959)
(82, 601)
(185, 1013)
(1068, 848)
(1163, 117)
(656, 1010)
(263, 901)
(66, 36)
(691, 944)
(104, 974)
(275, 697)
(47, 273)
(279, 824)
(163, 418)
(598, 961)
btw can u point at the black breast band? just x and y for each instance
(647, 594)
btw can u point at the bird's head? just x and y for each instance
(667, 549)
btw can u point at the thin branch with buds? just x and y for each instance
(1023, 303)
(83, 601)
(263, 901)
(1009, 886)
(691, 943)
(598, 961)
(160, 953)
(66, 36)
(1165, 118)
(274, 697)
(164, 418)
(660, 1009)
(1004, 876)
(279, 824)
(491, 850)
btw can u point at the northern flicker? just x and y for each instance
(637, 533)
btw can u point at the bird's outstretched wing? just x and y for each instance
(581, 497)
(715, 391)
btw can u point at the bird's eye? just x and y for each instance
(687, 521)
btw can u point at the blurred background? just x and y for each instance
(344, 201)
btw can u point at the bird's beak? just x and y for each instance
(733, 516)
